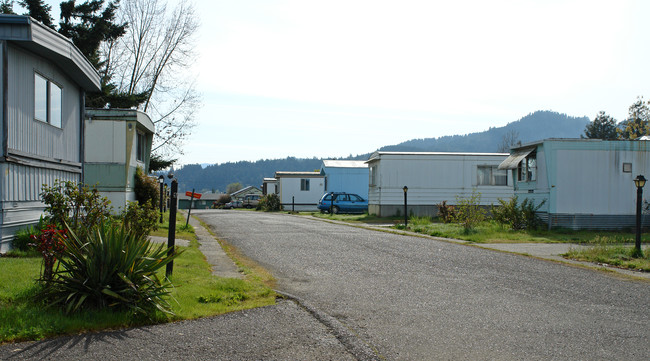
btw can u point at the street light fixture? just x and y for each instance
(639, 182)
(406, 216)
(161, 180)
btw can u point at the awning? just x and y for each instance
(512, 162)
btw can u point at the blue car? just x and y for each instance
(342, 203)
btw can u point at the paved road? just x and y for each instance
(414, 298)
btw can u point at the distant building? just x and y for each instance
(206, 201)
(270, 186)
(349, 176)
(118, 141)
(300, 191)
(43, 82)
(240, 194)
(432, 178)
(585, 183)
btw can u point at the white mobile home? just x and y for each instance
(300, 191)
(118, 141)
(349, 176)
(585, 183)
(43, 82)
(270, 186)
(432, 178)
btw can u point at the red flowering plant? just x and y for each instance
(50, 243)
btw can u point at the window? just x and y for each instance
(527, 169)
(491, 175)
(140, 146)
(373, 175)
(304, 184)
(48, 98)
(627, 167)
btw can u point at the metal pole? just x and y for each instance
(190, 210)
(293, 205)
(637, 243)
(406, 216)
(332, 203)
(161, 201)
(171, 236)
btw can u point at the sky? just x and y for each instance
(332, 78)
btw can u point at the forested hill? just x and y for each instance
(534, 126)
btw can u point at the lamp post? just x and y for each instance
(161, 180)
(406, 215)
(166, 199)
(171, 235)
(639, 182)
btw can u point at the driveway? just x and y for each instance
(413, 298)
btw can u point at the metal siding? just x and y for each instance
(24, 183)
(29, 135)
(432, 179)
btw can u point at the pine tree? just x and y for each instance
(7, 7)
(602, 127)
(39, 11)
(637, 123)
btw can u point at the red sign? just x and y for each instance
(196, 195)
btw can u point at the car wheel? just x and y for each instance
(335, 210)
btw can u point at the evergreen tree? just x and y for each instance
(637, 123)
(7, 7)
(603, 127)
(89, 25)
(39, 11)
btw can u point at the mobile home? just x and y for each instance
(118, 141)
(300, 191)
(431, 178)
(349, 176)
(584, 183)
(42, 89)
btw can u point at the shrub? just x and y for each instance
(113, 268)
(50, 244)
(446, 212)
(468, 211)
(24, 240)
(140, 220)
(270, 203)
(147, 189)
(223, 199)
(75, 206)
(517, 216)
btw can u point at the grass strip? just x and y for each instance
(197, 293)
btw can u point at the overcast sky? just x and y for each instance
(332, 78)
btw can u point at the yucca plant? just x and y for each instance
(111, 268)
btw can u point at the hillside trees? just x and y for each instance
(602, 127)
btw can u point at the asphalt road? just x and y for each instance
(414, 298)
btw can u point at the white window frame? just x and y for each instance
(50, 109)
(527, 169)
(493, 172)
(304, 184)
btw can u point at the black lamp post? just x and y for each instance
(161, 180)
(166, 199)
(639, 182)
(406, 215)
(171, 235)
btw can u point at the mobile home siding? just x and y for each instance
(583, 183)
(28, 135)
(292, 197)
(431, 178)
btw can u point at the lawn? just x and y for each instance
(196, 293)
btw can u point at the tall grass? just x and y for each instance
(610, 251)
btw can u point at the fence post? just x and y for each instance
(171, 235)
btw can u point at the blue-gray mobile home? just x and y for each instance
(43, 80)
(584, 183)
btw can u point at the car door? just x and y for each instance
(357, 204)
(343, 202)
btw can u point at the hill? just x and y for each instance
(535, 126)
